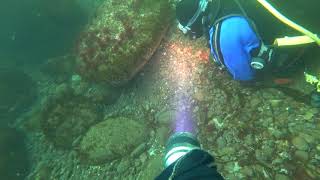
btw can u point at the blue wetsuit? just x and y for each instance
(231, 41)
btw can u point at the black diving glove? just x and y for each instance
(197, 164)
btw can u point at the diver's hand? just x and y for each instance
(315, 99)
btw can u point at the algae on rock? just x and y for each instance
(65, 117)
(121, 39)
(111, 139)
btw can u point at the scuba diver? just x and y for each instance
(185, 160)
(234, 41)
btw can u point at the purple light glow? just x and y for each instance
(183, 63)
(183, 117)
(184, 122)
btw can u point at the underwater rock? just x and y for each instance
(111, 139)
(275, 102)
(309, 138)
(201, 94)
(232, 167)
(102, 93)
(65, 117)
(278, 133)
(221, 142)
(98, 93)
(14, 162)
(152, 168)
(139, 150)
(247, 171)
(165, 117)
(301, 155)
(281, 177)
(310, 114)
(220, 104)
(249, 140)
(264, 154)
(255, 102)
(17, 92)
(79, 86)
(121, 39)
(162, 134)
(300, 143)
(143, 157)
(123, 166)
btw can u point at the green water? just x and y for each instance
(46, 108)
(35, 30)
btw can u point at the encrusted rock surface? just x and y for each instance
(65, 117)
(121, 39)
(111, 139)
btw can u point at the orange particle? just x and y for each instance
(204, 55)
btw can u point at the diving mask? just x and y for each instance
(201, 8)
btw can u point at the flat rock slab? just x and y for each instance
(111, 139)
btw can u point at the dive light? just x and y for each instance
(178, 145)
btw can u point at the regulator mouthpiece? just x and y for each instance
(257, 63)
(178, 145)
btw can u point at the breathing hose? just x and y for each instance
(290, 23)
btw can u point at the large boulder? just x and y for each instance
(121, 39)
(65, 117)
(111, 139)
